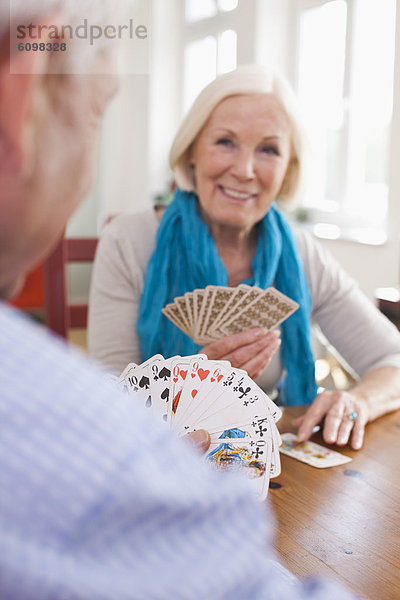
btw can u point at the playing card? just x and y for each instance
(216, 311)
(239, 402)
(244, 296)
(180, 302)
(172, 312)
(189, 299)
(240, 456)
(258, 432)
(203, 314)
(198, 296)
(193, 392)
(179, 370)
(220, 297)
(129, 367)
(244, 402)
(159, 375)
(199, 374)
(138, 381)
(267, 310)
(206, 401)
(235, 298)
(311, 453)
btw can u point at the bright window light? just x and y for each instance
(327, 230)
(345, 75)
(227, 5)
(227, 44)
(200, 67)
(196, 10)
(321, 77)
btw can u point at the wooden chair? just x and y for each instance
(60, 315)
(31, 297)
(388, 301)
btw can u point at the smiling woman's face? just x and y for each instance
(240, 159)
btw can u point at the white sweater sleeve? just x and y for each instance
(358, 331)
(117, 282)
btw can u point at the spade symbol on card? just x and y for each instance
(164, 373)
(144, 382)
(165, 394)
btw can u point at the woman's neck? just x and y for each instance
(236, 249)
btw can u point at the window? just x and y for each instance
(345, 86)
(196, 10)
(211, 44)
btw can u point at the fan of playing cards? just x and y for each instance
(209, 314)
(192, 392)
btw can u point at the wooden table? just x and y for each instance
(344, 522)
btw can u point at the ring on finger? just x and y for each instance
(351, 416)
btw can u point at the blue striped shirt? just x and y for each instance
(100, 502)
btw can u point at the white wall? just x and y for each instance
(371, 266)
(165, 89)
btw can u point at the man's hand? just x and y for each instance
(199, 439)
(250, 350)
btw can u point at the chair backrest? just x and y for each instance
(60, 315)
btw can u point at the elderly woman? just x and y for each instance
(238, 153)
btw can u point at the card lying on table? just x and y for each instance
(192, 392)
(311, 453)
(209, 314)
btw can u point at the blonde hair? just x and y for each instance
(249, 79)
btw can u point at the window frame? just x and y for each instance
(241, 20)
(339, 220)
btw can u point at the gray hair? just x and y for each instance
(249, 79)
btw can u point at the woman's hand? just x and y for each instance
(345, 417)
(250, 350)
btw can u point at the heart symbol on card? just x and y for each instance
(194, 392)
(175, 379)
(217, 378)
(192, 375)
(203, 374)
(183, 374)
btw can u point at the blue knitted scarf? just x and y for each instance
(186, 258)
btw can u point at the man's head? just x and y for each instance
(48, 131)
